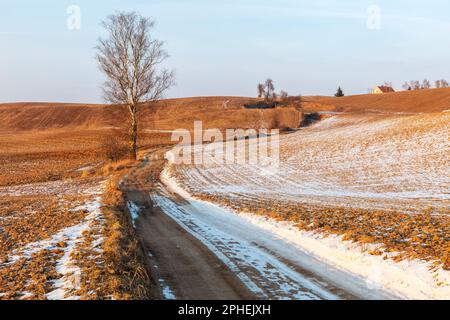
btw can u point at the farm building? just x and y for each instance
(382, 90)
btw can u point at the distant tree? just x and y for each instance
(415, 85)
(426, 84)
(269, 89)
(406, 86)
(339, 92)
(260, 90)
(131, 59)
(387, 84)
(444, 83)
(284, 95)
(437, 84)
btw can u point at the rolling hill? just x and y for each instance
(215, 112)
(421, 101)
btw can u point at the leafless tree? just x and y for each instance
(283, 95)
(260, 90)
(269, 89)
(131, 59)
(426, 84)
(387, 84)
(437, 83)
(444, 83)
(415, 85)
(406, 86)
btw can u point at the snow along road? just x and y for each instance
(269, 266)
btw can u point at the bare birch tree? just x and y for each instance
(269, 89)
(131, 59)
(260, 90)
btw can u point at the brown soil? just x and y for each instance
(215, 112)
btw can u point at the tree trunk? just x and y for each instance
(133, 132)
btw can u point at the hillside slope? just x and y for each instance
(380, 162)
(215, 112)
(421, 101)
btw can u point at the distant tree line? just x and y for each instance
(425, 84)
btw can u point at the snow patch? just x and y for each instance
(134, 211)
(66, 267)
(166, 290)
(409, 279)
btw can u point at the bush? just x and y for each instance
(114, 148)
(310, 118)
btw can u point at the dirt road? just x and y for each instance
(182, 266)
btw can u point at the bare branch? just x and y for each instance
(131, 58)
(132, 61)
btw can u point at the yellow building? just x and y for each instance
(382, 90)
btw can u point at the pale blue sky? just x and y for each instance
(226, 47)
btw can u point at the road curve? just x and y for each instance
(198, 251)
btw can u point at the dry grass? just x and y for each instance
(121, 275)
(52, 155)
(35, 232)
(45, 180)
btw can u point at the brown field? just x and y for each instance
(420, 101)
(215, 112)
(51, 156)
(55, 163)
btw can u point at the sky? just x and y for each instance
(227, 47)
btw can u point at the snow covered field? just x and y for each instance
(43, 263)
(395, 166)
(374, 162)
